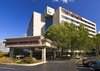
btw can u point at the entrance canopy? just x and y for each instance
(30, 41)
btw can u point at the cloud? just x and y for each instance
(64, 1)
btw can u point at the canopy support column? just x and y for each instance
(44, 55)
(11, 52)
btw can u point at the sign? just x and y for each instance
(50, 11)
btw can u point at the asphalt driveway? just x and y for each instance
(50, 66)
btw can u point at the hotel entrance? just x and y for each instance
(38, 47)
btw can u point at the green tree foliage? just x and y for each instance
(67, 35)
(82, 37)
(57, 33)
(97, 40)
(97, 43)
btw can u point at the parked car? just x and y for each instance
(95, 66)
(88, 61)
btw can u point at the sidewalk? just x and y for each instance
(25, 64)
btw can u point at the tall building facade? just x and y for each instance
(36, 25)
(63, 15)
(41, 22)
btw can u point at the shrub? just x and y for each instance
(27, 60)
(19, 61)
(6, 60)
(2, 54)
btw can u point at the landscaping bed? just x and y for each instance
(26, 60)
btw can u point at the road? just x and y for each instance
(50, 66)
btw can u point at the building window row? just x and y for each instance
(91, 31)
(89, 27)
(78, 22)
(91, 34)
(76, 16)
(69, 19)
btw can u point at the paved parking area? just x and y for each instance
(50, 66)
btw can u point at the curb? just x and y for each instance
(35, 64)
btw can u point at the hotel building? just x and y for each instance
(63, 15)
(34, 41)
(39, 23)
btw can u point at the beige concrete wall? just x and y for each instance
(35, 25)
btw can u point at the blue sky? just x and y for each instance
(15, 14)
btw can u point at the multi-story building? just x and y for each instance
(63, 15)
(35, 25)
(41, 22)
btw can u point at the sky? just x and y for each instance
(15, 14)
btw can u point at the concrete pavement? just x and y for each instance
(50, 66)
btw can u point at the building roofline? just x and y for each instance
(38, 37)
(77, 15)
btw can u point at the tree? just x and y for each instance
(72, 35)
(67, 35)
(82, 37)
(97, 44)
(58, 34)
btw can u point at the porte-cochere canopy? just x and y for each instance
(30, 41)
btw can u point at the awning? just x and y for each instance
(30, 41)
